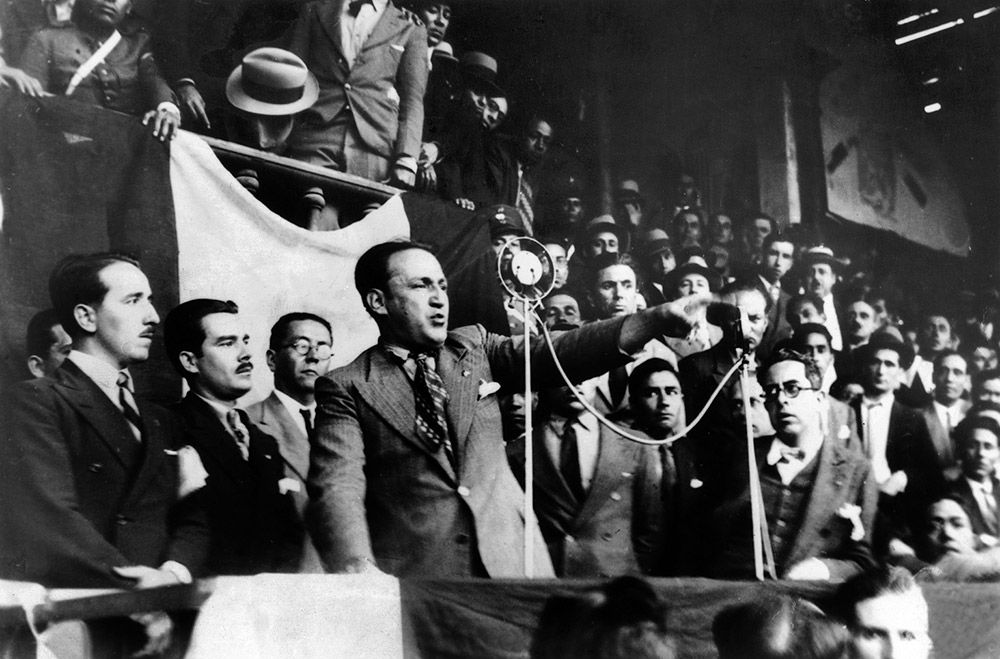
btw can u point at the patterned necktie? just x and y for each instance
(240, 432)
(307, 416)
(355, 6)
(128, 406)
(569, 460)
(523, 202)
(431, 397)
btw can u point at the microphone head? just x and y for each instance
(722, 314)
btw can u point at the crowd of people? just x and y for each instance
(874, 415)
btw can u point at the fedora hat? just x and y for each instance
(479, 71)
(606, 223)
(694, 265)
(655, 242)
(821, 254)
(273, 82)
(628, 190)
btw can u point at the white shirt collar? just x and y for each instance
(292, 405)
(982, 487)
(105, 375)
(220, 410)
(881, 400)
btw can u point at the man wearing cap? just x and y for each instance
(370, 59)
(895, 439)
(268, 89)
(656, 255)
(629, 204)
(821, 276)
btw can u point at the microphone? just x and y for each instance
(732, 320)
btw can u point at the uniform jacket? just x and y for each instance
(81, 495)
(615, 528)
(377, 492)
(254, 525)
(842, 477)
(272, 418)
(383, 91)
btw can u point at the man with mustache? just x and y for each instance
(255, 527)
(92, 485)
(408, 472)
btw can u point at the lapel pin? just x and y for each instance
(466, 372)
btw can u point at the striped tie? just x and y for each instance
(431, 397)
(127, 404)
(240, 432)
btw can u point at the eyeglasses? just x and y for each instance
(791, 389)
(305, 346)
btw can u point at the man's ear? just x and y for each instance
(188, 361)
(86, 317)
(35, 364)
(270, 359)
(375, 301)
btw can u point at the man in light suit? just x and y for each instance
(370, 59)
(408, 471)
(819, 497)
(299, 352)
(597, 495)
(93, 491)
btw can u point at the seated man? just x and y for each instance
(949, 549)
(805, 308)
(886, 613)
(597, 496)
(818, 496)
(986, 388)
(47, 343)
(948, 407)
(120, 75)
(977, 439)
(561, 309)
(251, 510)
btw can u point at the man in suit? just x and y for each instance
(46, 343)
(657, 404)
(818, 495)
(896, 441)
(813, 339)
(370, 59)
(946, 411)
(408, 472)
(94, 495)
(597, 496)
(299, 352)
(821, 277)
(255, 527)
(887, 614)
(977, 486)
(777, 259)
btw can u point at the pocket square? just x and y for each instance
(286, 485)
(695, 483)
(487, 388)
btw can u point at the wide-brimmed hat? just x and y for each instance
(606, 223)
(628, 189)
(694, 265)
(884, 341)
(821, 254)
(479, 71)
(272, 82)
(654, 242)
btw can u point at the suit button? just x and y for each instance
(347, 86)
(615, 496)
(463, 490)
(95, 467)
(121, 520)
(781, 523)
(462, 539)
(347, 107)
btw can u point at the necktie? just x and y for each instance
(355, 6)
(789, 454)
(669, 467)
(128, 405)
(308, 418)
(431, 397)
(240, 432)
(989, 498)
(617, 386)
(569, 460)
(525, 195)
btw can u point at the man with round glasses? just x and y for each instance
(299, 351)
(819, 497)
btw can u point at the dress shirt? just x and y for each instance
(774, 290)
(922, 370)
(788, 468)
(949, 415)
(221, 411)
(985, 499)
(875, 430)
(295, 409)
(832, 323)
(408, 363)
(355, 30)
(105, 376)
(588, 442)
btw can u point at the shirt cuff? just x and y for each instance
(185, 81)
(182, 573)
(169, 107)
(407, 162)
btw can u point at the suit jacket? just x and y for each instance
(777, 325)
(383, 91)
(842, 477)
(944, 447)
(615, 528)
(254, 525)
(81, 496)
(377, 492)
(272, 418)
(959, 487)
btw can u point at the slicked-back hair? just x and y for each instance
(777, 236)
(962, 434)
(948, 352)
(372, 269)
(810, 297)
(39, 336)
(76, 279)
(883, 580)
(280, 328)
(747, 285)
(641, 373)
(982, 377)
(813, 373)
(606, 260)
(183, 330)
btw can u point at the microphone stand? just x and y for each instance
(763, 554)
